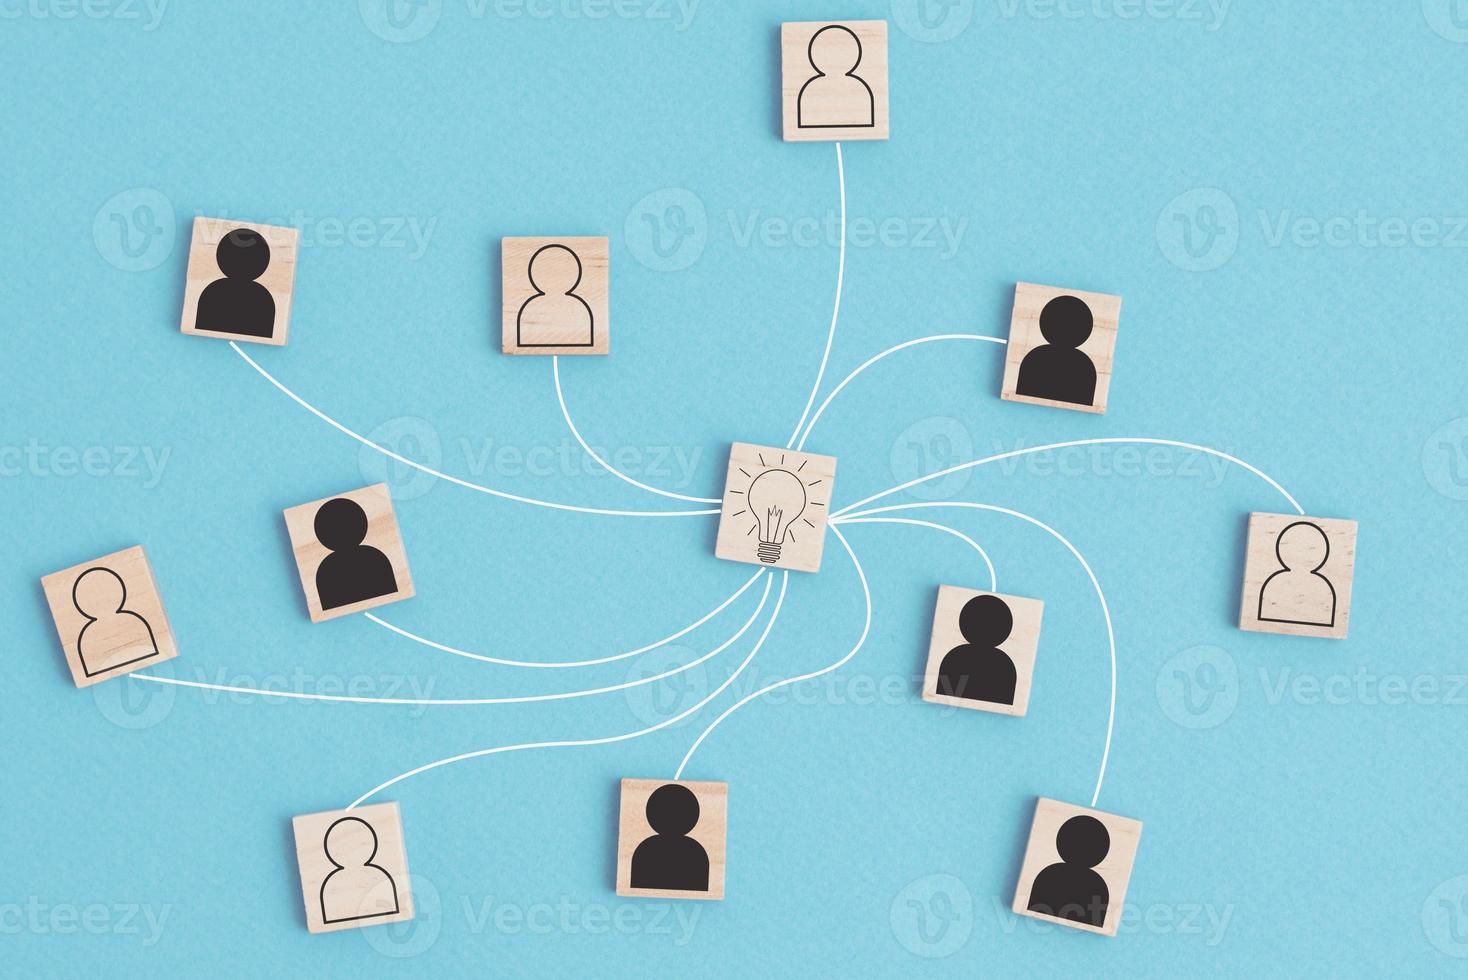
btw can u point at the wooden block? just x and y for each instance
(556, 295)
(982, 654)
(240, 280)
(1061, 346)
(354, 868)
(1077, 866)
(349, 552)
(671, 839)
(834, 80)
(1297, 576)
(109, 615)
(775, 506)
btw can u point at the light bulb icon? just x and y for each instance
(776, 499)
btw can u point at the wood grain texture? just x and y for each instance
(748, 533)
(833, 80)
(354, 868)
(556, 295)
(1115, 868)
(382, 534)
(278, 279)
(1297, 576)
(1021, 643)
(710, 832)
(1025, 336)
(109, 616)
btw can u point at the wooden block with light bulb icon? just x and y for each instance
(775, 506)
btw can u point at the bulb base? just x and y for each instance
(769, 552)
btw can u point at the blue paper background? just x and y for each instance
(1303, 808)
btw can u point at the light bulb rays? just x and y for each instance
(773, 502)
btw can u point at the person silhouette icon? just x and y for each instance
(671, 860)
(1072, 889)
(355, 888)
(238, 304)
(1058, 370)
(1302, 549)
(353, 572)
(113, 635)
(555, 316)
(836, 96)
(979, 670)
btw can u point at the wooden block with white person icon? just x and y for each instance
(109, 616)
(833, 80)
(556, 295)
(982, 652)
(1297, 576)
(1077, 866)
(354, 868)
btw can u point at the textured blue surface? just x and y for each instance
(1277, 190)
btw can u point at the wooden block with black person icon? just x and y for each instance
(556, 295)
(982, 652)
(349, 552)
(1077, 866)
(109, 616)
(1061, 346)
(240, 281)
(671, 839)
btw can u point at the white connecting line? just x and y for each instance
(544, 665)
(524, 699)
(575, 743)
(836, 311)
(993, 578)
(556, 373)
(453, 479)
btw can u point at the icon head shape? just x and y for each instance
(242, 254)
(835, 50)
(1066, 321)
(341, 523)
(1302, 547)
(555, 270)
(986, 620)
(98, 592)
(672, 810)
(1083, 841)
(346, 846)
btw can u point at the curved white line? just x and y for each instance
(865, 629)
(1142, 441)
(1105, 609)
(779, 601)
(453, 479)
(872, 360)
(526, 699)
(569, 663)
(993, 579)
(835, 312)
(556, 372)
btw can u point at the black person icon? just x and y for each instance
(113, 636)
(355, 888)
(353, 572)
(670, 859)
(1072, 889)
(1302, 549)
(1058, 370)
(836, 97)
(555, 316)
(979, 670)
(237, 304)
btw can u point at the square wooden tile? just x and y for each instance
(982, 654)
(109, 616)
(833, 80)
(349, 552)
(1297, 576)
(1077, 867)
(240, 279)
(671, 839)
(556, 295)
(354, 868)
(1061, 346)
(776, 502)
